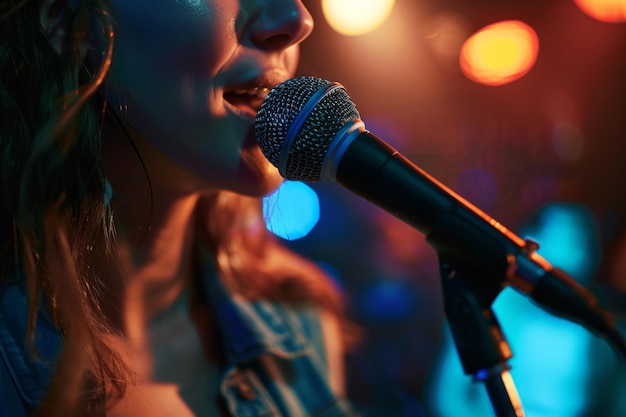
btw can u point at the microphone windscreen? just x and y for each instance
(297, 122)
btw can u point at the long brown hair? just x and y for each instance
(56, 229)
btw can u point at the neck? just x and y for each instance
(156, 262)
(155, 214)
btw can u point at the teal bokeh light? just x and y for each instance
(291, 211)
(568, 238)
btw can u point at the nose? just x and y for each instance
(278, 24)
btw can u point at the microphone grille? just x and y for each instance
(301, 156)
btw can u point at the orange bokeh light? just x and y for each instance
(499, 53)
(610, 11)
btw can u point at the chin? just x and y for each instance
(256, 180)
(259, 184)
(256, 176)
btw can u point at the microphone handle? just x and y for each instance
(372, 169)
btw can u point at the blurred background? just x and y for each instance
(518, 106)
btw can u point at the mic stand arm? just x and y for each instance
(477, 335)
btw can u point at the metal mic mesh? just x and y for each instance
(305, 155)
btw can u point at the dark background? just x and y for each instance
(493, 145)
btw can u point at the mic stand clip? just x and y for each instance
(477, 335)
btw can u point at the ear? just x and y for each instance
(54, 18)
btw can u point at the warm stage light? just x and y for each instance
(610, 11)
(356, 17)
(499, 53)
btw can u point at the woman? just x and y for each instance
(137, 276)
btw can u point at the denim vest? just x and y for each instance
(289, 339)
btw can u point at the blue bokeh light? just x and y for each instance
(568, 238)
(291, 211)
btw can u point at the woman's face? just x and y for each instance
(192, 74)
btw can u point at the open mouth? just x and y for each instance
(247, 99)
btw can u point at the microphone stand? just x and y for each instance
(477, 335)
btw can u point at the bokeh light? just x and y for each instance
(609, 11)
(499, 53)
(356, 17)
(292, 210)
(446, 33)
(568, 238)
(568, 141)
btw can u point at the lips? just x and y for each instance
(248, 96)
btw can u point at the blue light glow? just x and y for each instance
(333, 273)
(567, 237)
(559, 368)
(482, 374)
(386, 301)
(292, 210)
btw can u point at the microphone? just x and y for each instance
(310, 129)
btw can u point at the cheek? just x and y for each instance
(292, 58)
(166, 58)
(192, 35)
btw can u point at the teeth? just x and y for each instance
(261, 92)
